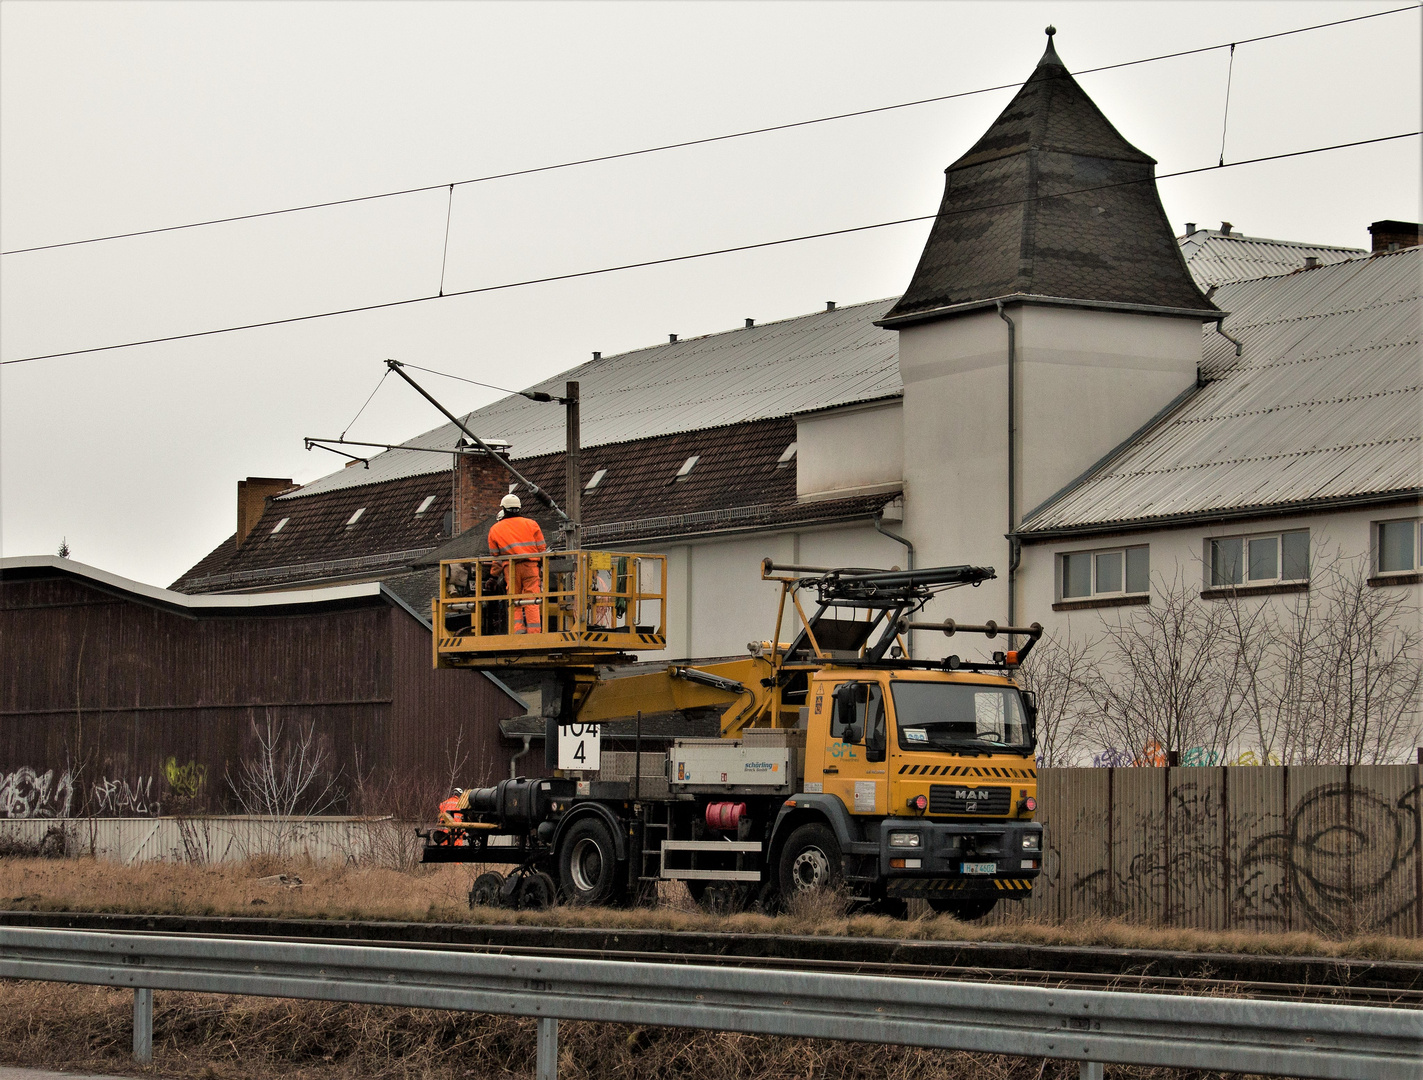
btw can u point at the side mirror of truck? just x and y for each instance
(1030, 707)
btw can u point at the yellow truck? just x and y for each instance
(842, 761)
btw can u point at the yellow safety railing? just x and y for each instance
(588, 602)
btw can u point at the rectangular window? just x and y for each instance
(1114, 572)
(1266, 559)
(1399, 545)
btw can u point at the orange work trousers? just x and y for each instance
(526, 616)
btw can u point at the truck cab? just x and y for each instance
(928, 781)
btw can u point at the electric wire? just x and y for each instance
(459, 378)
(362, 409)
(691, 142)
(1225, 115)
(689, 257)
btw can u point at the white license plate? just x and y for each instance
(980, 868)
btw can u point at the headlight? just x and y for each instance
(904, 839)
(1032, 841)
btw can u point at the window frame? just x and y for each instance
(1094, 594)
(1246, 581)
(1377, 529)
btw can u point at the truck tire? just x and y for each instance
(964, 910)
(810, 860)
(588, 864)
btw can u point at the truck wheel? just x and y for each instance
(810, 860)
(485, 892)
(588, 863)
(964, 910)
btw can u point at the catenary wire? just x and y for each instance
(379, 383)
(689, 257)
(458, 378)
(689, 142)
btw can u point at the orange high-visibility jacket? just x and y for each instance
(516, 535)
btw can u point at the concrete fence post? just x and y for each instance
(142, 1025)
(546, 1066)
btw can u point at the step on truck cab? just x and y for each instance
(842, 761)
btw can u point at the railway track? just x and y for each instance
(1387, 983)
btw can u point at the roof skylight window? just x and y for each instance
(279, 526)
(424, 505)
(687, 467)
(595, 480)
(786, 457)
(355, 517)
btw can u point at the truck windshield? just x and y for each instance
(938, 716)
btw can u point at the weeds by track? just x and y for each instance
(1319, 979)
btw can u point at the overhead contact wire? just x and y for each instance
(689, 257)
(690, 142)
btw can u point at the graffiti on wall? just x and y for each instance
(119, 798)
(25, 793)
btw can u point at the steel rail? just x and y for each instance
(1289, 1038)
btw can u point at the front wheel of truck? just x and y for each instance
(810, 860)
(964, 910)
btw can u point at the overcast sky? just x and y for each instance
(117, 117)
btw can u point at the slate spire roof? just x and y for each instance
(1052, 201)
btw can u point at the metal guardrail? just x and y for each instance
(1089, 1026)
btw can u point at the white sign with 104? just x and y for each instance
(579, 747)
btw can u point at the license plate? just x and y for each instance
(980, 868)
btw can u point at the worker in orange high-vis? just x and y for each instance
(514, 535)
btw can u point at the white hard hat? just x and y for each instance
(510, 502)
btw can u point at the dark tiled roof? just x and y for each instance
(1051, 202)
(317, 543)
(736, 484)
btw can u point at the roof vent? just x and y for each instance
(355, 517)
(830, 305)
(687, 467)
(279, 526)
(597, 355)
(671, 338)
(1225, 228)
(424, 505)
(1190, 227)
(595, 480)
(1311, 261)
(750, 323)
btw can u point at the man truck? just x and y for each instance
(842, 760)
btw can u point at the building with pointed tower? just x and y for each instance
(1066, 392)
(1051, 316)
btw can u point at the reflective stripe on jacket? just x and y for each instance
(516, 535)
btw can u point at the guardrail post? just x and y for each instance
(1089, 1070)
(142, 1025)
(546, 1067)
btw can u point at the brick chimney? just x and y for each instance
(1392, 235)
(479, 485)
(252, 496)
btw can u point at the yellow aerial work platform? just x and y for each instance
(593, 607)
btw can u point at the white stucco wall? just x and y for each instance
(717, 599)
(1087, 379)
(848, 450)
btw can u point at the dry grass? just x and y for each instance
(438, 894)
(204, 1037)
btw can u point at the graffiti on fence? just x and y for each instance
(25, 793)
(1343, 851)
(1339, 862)
(1152, 756)
(119, 798)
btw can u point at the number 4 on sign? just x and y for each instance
(579, 747)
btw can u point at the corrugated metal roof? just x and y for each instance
(1325, 403)
(775, 369)
(1215, 258)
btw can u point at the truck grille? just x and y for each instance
(952, 799)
